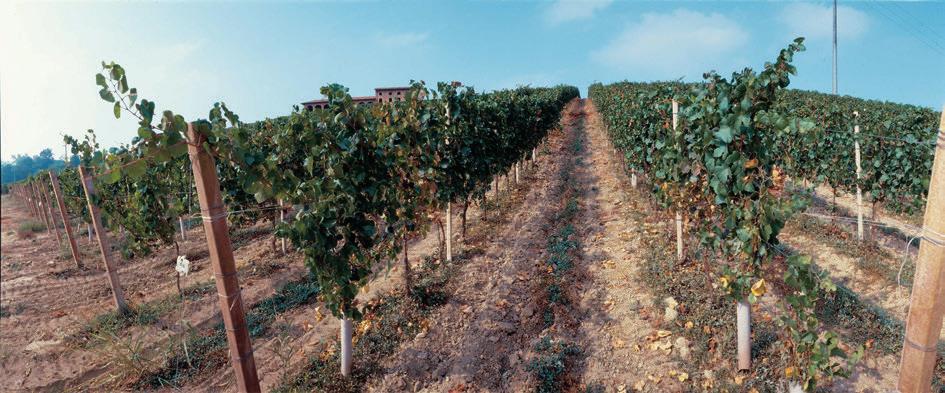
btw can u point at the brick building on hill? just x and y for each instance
(381, 94)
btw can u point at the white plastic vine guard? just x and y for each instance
(183, 265)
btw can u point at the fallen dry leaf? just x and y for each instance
(618, 343)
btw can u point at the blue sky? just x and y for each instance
(262, 58)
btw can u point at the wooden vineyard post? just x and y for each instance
(30, 201)
(57, 192)
(34, 198)
(449, 232)
(679, 222)
(44, 207)
(516, 172)
(927, 304)
(40, 208)
(859, 192)
(213, 213)
(52, 213)
(118, 295)
(183, 235)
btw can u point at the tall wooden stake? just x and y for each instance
(224, 267)
(34, 200)
(927, 305)
(859, 192)
(118, 295)
(28, 199)
(41, 207)
(57, 192)
(52, 213)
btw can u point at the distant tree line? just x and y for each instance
(24, 166)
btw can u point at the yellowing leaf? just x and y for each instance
(682, 377)
(789, 372)
(759, 288)
(751, 163)
(739, 379)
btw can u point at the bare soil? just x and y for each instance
(50, 300)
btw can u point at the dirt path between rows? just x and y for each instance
(479, 339)
(483, 339)
(617, 324)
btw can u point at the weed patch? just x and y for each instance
(28, 228)
(550, 364)
(208, 350)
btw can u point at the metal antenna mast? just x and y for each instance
(834, 46)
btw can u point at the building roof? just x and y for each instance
(391, 88)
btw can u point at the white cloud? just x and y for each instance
(570, 10)
(681, 43)
(399, 40)
(816, 21)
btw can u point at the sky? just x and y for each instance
(263, 58)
